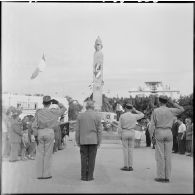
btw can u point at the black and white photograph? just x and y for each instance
(97, 97)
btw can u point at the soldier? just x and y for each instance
(46, 120)
(15, 135)
(88, 138)
(126, 130)
(160, 129)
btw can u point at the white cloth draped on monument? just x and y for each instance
(40, 68)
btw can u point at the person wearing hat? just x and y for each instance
(15, 135)
(88, 138)
(126, 130)
(162, 119)
(46, 119)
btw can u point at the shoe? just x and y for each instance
(31, 158)
(18, 159)
(159, 179)
(84, 179)
(90, 179)
(44, 177)
(125, 169)
(166, 180)
(130, 169)
(24, 158)
(13, 160)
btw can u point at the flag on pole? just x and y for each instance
(40, 68)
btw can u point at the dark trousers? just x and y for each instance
(88, 155)
(148, 140)
(181, 144)
(175, 144)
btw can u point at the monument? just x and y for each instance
(98, 74)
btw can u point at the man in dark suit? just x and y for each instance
(175, 134)
(88, 138)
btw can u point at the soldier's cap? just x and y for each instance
(163, 99)
(46, 99)
(129, 106)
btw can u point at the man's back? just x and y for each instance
(88, 127)
(128, 120)
(164, 116)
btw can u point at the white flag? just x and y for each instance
(41, 67)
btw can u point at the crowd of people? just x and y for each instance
(18, 139)
(38, 137)
(182, 136)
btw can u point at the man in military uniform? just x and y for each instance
(46, 120)
(160, 129)
(126, 130)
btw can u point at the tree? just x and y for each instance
(187, 103)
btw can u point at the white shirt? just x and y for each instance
(182, 128)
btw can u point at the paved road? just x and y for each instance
(19, 177)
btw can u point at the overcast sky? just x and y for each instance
(141, 42)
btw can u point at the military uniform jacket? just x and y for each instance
(46, 118)
(163, 117)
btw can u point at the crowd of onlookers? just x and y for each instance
(18, 140)
(21, 140)
(183, 136)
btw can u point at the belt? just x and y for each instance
(164, 128)
(127, 129)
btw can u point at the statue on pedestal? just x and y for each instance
(98, 74)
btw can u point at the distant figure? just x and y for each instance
(160, 130)
(6, 147)
(138, 135)
(126, 130)
(119, 110)
(88, 137)
(43, 126)
(147, 133)
(181, 136)
(189, 136)
(64, 126)
(25, 144)
(15, 135)
(174, 130)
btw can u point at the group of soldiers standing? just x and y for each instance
(88, 136)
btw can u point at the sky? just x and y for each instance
(141, 42)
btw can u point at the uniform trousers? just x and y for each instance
(88, 155)
(44, 152)
(128, 137)
(163, 151)
(15, 147)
